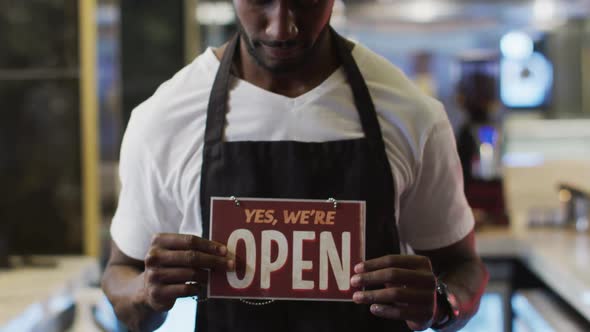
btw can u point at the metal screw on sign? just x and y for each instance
(194, 283)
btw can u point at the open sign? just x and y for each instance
(288, 249)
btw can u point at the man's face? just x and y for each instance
(281, 35)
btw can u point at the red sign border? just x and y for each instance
(363, 217)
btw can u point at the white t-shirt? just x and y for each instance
(161, 156)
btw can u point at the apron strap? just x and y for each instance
(370, 123)
(362, 98)
(218, 99)
(216, 111)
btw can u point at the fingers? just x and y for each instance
(176, 276)
(414, 302)
(187, 258)
(409, 313)
(410, 262)
(175, 259)
(395, 277)
(188, 242)
(395, 296)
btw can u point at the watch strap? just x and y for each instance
(443, 303)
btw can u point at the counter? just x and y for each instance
(560, 258)
(31, 295)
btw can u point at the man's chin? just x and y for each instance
(282, 66)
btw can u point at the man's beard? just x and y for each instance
(284, 68)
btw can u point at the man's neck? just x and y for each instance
(295, 83)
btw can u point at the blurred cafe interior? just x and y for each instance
(514, 77)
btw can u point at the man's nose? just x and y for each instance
(282, 25)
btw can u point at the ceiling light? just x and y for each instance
(215, 13)
(423, 10)
(545, 10)
(516, 45)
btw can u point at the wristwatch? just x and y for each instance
(447, 302)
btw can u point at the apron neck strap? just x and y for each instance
(362, 98)
(219, 96)
(218, 99)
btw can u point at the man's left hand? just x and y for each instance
(406, 289)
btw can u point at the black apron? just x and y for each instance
(356, 169)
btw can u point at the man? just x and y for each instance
(304, 114)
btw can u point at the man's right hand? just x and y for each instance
(174, 259)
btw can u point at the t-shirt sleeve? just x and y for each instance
(434, 212)
(145, 208)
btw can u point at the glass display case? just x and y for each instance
(152, 47)
(40, 196)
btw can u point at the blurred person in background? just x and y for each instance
(283, 102)
(479, 144)
(423, 76)
(477, 96)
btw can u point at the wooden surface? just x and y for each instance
(34, 294)
(561, 258)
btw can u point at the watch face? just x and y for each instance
(451, 299)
